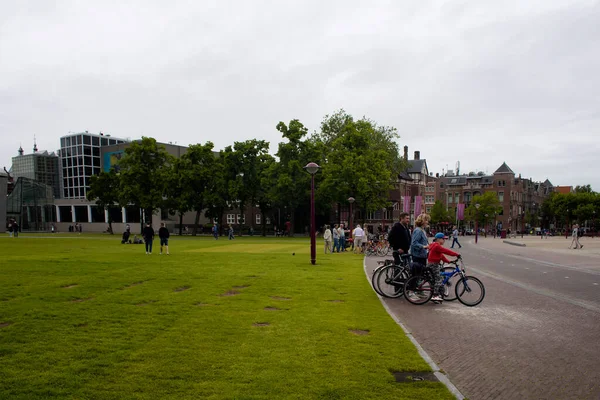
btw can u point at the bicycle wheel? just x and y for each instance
(449, 287)
(418, 290)
(374, 277)
(381, 251)
(470, 291)
(390, 281)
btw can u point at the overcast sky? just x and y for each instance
(480, 82)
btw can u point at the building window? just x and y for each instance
(457, 197)
(450, 197)
(429, 199)
(268, 221)
(257, 219)
(231, 219)
(500, 197)
(428, 210)
(241, 219)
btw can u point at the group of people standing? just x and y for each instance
(416, 243)
(335, 239)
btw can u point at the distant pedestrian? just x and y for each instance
(15, 228)
(358, 235)
(335, 233)
(148, 234)
(163, 234)
(328, 239)
(215, 231)
(52, 228)
(231, 237)
(10, 228)
(342, 232)
(574, 239)
(455, 238)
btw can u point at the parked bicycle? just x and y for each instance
(469, 290)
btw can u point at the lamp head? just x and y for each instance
(312, 168)
(351, 200)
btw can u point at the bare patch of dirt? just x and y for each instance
(230, 293)
(81, 300)
(182, 288)
(336, 301)
(241, 287)
(280, 298)
(5, 324)
(69, 286)
(340, 279)
(82, 325)
(261, 324)
(272, 309)
(359, 332)
(252, 276)
(342, 293)
(132, 285)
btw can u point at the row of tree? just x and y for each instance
(358, 158)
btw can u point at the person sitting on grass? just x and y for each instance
(436, 255)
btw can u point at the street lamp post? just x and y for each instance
(312, 169)
(476, 226)
(522, 223)
(351, 201)
(485, 226)
(567, 226)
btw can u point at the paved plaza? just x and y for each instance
(535, 335)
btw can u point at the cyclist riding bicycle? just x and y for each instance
(435, 256)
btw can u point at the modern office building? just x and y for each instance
(38, 166)
(80, 158)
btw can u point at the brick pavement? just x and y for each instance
(515, 345)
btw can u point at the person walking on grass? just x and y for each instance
(148, 234)
(327, 237)
(231, 233)
(163, 234)
(215, 231)
(15, 228)
(455, 237)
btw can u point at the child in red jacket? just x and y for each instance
(435, 256)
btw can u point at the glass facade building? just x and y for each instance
(41, 167)
(80, 158)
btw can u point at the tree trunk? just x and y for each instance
(292, 222)
(180, 223)
(110, 229)
(196, 220)
(220, 220)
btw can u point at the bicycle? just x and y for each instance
(388, 279)
(419, 289)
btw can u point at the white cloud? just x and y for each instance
(480, 82)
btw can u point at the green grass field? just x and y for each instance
(84, 317)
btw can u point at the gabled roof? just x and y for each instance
(416, 166)
(547, 183)
(405, 176)
(504, 169)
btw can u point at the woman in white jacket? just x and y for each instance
(327, 236)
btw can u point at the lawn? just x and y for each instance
(84, 317)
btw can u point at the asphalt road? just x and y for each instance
(536, 335)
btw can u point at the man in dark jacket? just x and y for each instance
(163, 234)
(399, 237)
(148, 234)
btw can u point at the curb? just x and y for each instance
(514, 243)
(436, 370)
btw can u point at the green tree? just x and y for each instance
(584, 189)
(488, 204)
(217, 195)
(359, 159)
(439, 213)
(144, 172)
(291, 182)
(104, 190)
(263, 198)
(200, 163)
(178, 191)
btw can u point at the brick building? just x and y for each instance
(520, 198)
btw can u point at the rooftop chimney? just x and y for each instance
(21, 151)
(417, 155)
(437, 174)
(406, 153)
